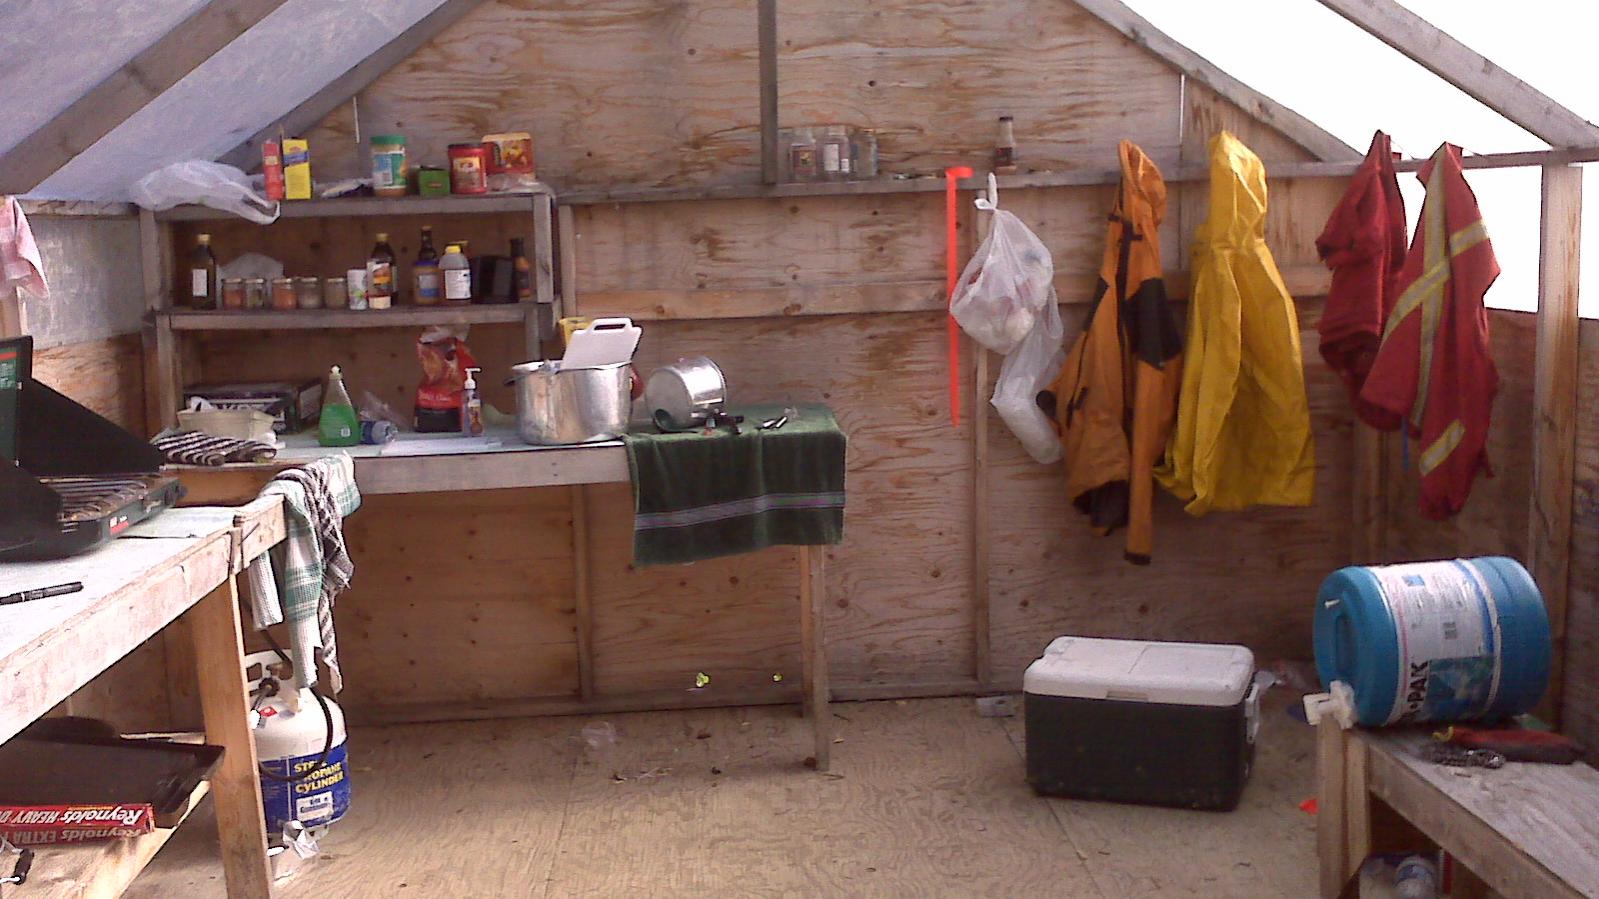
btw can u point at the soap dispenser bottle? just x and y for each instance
(471, 406)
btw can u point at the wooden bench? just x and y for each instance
(1522, 830)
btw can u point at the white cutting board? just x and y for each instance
(603, 342)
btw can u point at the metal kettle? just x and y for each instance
(683, 395)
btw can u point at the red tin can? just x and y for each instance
(469, 165)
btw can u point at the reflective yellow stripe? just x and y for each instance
(1433, 302)
(1435, 455)
(1467, 237)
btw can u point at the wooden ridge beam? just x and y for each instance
(1292, 125)
(1468, 70)
(128, 90)
(302, 118)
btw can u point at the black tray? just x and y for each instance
(97, 771)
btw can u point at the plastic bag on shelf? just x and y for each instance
(1026, 371)
(1004, 288)
(206, 183)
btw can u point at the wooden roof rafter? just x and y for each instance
(127, 90)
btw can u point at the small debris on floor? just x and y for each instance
(810, 761)
(995, 706)
(701, 679)
(703, 735)
(715, 770)
(777, 678)
(838, 739)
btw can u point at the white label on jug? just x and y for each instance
(457, 284)
(830, 157)
(198, 284)
(1447, 628)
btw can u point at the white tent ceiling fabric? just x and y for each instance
(257, 79)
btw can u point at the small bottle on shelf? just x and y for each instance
(200, 291)
(471, 406)
(425, 271)
(380, 274)
(523, 269)
(1005, 147)
(457, 272)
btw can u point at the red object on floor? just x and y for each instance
(952, 272)
(1310, 806)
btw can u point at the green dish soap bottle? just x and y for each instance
(339, 425)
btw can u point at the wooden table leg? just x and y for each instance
(235, 785)
(813, 649)
(1343, 814)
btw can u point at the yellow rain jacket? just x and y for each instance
(1243, 421)
(1117, 393)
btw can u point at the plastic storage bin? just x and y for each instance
(1138, 721)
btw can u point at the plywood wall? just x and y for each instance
(468, 597)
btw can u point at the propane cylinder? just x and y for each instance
(290, 731)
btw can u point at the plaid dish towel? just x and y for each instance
(21, 266)
(315, 565)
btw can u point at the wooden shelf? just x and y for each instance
(99, 869)
(316, 319)
(358, 206)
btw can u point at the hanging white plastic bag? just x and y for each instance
(206, 183)
(1026, 371)
(1004, 288)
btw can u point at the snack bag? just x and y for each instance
(445, 358)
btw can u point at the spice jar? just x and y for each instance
(802, 155)
(308, 292)
(283, 294)
(335, 292)
(232, 293)
(255, 293)
(469, 169)
(389, 172)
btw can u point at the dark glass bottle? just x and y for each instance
(523, 269)
(199, 284)
(425, 272)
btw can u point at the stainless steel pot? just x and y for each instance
(682, 395)
(556, 405)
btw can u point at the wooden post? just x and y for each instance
(766, 33)
(567, 225)
(813, 648)
(580, 589)
(1554, 432)
(213, 626)
(163, 378)
(1332, 833)
(982, 665)
(543, 273)
(1369, 497)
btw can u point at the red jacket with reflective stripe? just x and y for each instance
(1435, 368)
(1364, 245)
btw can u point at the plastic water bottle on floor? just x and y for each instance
(1417, 878)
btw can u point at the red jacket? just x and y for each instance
(1364, 245)
(1435, 369)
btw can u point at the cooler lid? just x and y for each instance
(1142, 671)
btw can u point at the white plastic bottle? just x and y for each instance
(457, 275)
(471, 406)
(1417, 878)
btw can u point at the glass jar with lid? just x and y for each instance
(255, 293)
(390, 174)
(283, 297)
(308, 292)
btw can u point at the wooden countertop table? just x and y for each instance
(179, 567)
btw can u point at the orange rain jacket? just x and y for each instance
(1116, 396)
(1435, 368)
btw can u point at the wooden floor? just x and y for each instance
(925, 798)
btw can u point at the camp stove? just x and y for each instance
(70, 479)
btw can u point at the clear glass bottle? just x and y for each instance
(835, 153)
(865, 144)
(1005, 147)
(802, 161)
